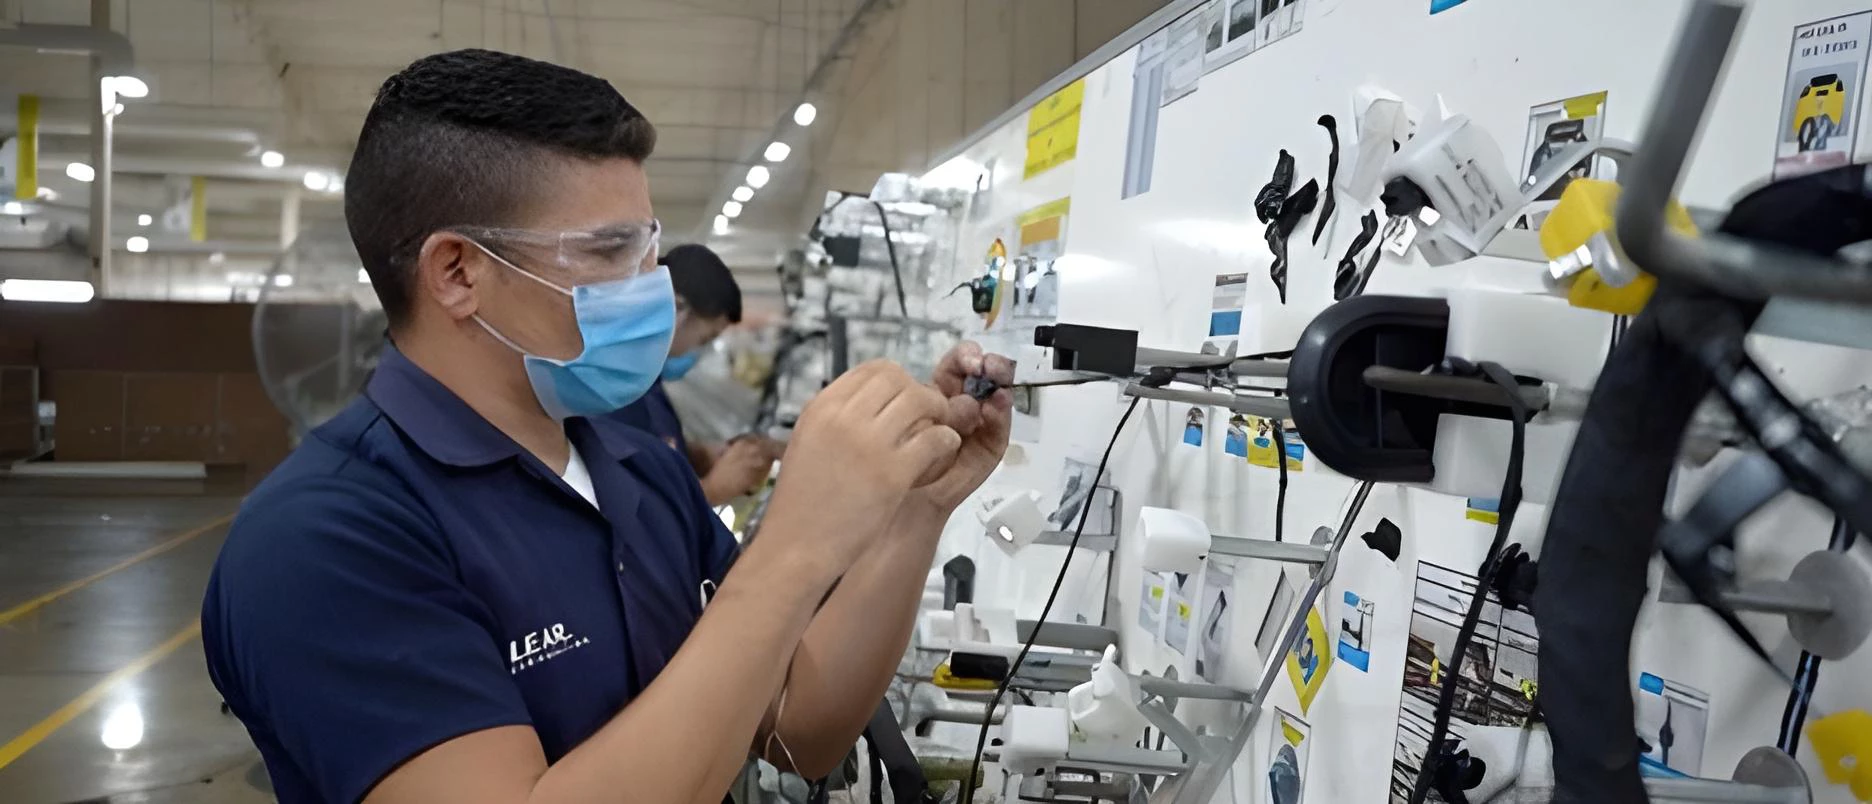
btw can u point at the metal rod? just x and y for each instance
(1259, 368)
(1059, 538)
(1268, 407)
(1287, 552)
(1444, 386)
(1148, 358)
(1768, 597)
(1171, 688)
(1072, 636)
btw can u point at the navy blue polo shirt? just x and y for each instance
(655, 415)
(410, 574)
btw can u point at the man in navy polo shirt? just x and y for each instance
(708, 301)
(471, 587)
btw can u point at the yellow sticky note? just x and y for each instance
(1843, 742)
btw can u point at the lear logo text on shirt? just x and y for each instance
(538, 647)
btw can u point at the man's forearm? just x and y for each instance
(686, 736)
(855, 642)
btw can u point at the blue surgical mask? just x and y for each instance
(677, 366)
(626, 325)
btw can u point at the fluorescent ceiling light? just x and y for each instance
(363, 276)
(46, 290)
(282, 280)
(12, 208)
(732, 209)
(128, 86)
(272, 159)
(805, 114)
(316, 181)
(80, 171)
(743, 194)
(116, 109)
(757, 176)
(217, 258)
(777, 151)
(721, 224)
(137, 244)
(145, 219)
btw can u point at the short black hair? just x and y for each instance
(457, 138)
(704, 282)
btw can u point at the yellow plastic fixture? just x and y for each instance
(947, 679)
(1843, 741)
(1585, 212)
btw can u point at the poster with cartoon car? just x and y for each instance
(1819, 116)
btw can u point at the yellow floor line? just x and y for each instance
(18, 746)
(34, 604)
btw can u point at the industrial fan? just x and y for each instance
(317, 329)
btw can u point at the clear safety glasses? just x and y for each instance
(613, 252)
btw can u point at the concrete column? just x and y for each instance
(101, 162)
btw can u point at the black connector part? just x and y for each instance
(1387, 539)
(1077, 347)
(979, 386)
(1402, 197)
(978, 666)
(1515, 576)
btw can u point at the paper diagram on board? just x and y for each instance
(1820, 104)
(1287, 759)
(1355, 635)
(1672, 721)
(1552, 127)
(1216, 627)
(1496, 683)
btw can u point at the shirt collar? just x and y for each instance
(445, 427)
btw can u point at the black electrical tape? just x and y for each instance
(979, 386)
(1332, 172)
(1292, 210)
(1403, 197)
(1347, 279)
(1272, 196)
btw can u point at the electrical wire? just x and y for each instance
(903, 307)
(1807, 670)
(1280, 499)
(1485, 579)
(981, 740)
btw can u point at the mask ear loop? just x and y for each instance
(517, 269)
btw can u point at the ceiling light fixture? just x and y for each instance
(137, 244)
(777, 151)
(46, 290)
(721, 224)
(805, 114)
(79, 171)
(743, 194)
(316, 181)
(282, 280)
(145, 219)
(757, 176)
(363, 276)
(12, 208)
(732, 209)
(272, 159)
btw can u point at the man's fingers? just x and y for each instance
(879, 382)
(964, 414)
(914, 402)
(935, 449)
(956, 367)
(998, 368)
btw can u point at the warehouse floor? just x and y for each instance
(103, 694)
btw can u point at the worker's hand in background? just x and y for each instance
(859, 448)
(983, 425)
(739, 469)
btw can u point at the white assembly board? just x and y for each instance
(1150, 262)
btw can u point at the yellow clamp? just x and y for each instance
(947, 679)
(1579, 229)
(1843, 741)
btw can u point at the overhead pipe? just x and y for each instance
(112, 50)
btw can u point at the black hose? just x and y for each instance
(903, 307)
(1508, 503)
(1280, 500)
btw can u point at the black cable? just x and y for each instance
(1807, 670)
(903, 307)
(1485, 578)
(981, 740)
(1280, 500)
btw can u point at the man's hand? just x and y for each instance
(859, 448)
(983, 425)
(740, 469)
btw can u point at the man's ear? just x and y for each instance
(447, 270)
